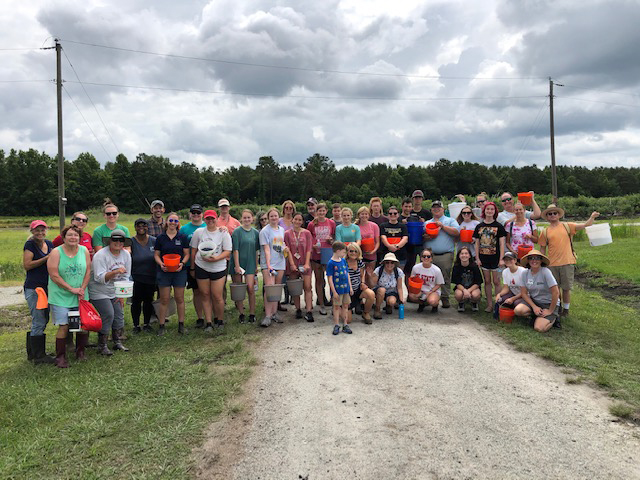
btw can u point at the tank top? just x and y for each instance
(72, 271)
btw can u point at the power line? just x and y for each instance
(600, 101)
(285, 67)
(25, 81)
(601, 91)
(532, 130)
(321, 97)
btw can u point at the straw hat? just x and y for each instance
(553, 208)
(524, 261)
(390, 257)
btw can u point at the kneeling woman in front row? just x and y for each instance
(540, 291)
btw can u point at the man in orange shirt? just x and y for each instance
(558, 239)
(225, 219)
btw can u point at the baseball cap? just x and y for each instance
(312, 200)
(417, 193)
(436, 203)
(38, 223)
(117, 234)
(196, 207)
(510, 255)
(141, 220)
(223, 202)
(210, 213)
(157, 202)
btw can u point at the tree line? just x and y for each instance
(28, 181)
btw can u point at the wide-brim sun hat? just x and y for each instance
(524, 261)
(390, 257)
(117, 233)
(553, 208)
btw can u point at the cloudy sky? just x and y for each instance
(224, 82)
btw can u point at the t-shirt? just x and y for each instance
(274, 238)
(143, 264)
(518, 234)
(350, 233)
(513, 280)
(504, 216)
(188, 230)
(104, 231)
(394, 230)
(424, 214)
(166, 245)
(247, 243)
(300, 244)
(221, 243)
(370, 230)
(388, 280)
(538, 285)
(443, 243)
(489, 235)
(556, 239)
(84, 241)
(321, 231)
(230, 222)
(466, 276)
(339, 271)
(431, 276)
(308, 218)
(284, 225)
(104, 262)
(379, 220)
(37, 277)
(467, 226)
(355, 276)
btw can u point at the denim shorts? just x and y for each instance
(172, 279)
(61, 314)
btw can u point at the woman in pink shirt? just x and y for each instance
(300, 243)
(323, 231)
(369, 231)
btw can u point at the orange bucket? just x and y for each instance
(432, 229)
(367, 244)
(523, 250)
(394, 240)
(466, 236)
(506, 314)
(415, 285)
(171, 261)
(525, 198)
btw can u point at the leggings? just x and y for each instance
(142, 302)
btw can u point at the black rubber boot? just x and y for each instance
(38, 350)
(117, 342)
(103, 349)
(29, 351)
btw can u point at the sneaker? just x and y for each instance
(208, 328)
(461, 306)
(298, 313)
(367, 318)
(474, 307)
(359, 308)
(327, 303)
(252, 318)
(181, 329)
(445, 303)
(309, 317)
(220, 323)
(434, 309)
(200, 323)
(281, 308)
(377, 315)
(336, 329)
(421, 308)
(564, 312)
(276, 318)
(266, 322)
(346, 329)
(161, 331)
(388, 309)
(241, 318)
(147, 328)
(323, 311)
(137, 329)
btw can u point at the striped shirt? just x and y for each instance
(355, 276)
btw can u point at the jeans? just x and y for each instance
(39, 318)
(111, 312)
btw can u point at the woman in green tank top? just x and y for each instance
(68, 268)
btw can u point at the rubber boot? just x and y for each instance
(117, 342)
(38, 350)
(61, 353)
(29, 351)
(81, 342)
(103, 349)
(70, 345)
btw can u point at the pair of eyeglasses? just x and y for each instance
(426, 256)
(110, 213)
(480, 201)
(535, 258)
(78, 219)
(506, 199)
(117, 239)
(393, 213)
(353, 251)
(288, 207)
(173, 220)
(467, 213)
(552, 213)
(263, 219)
(195, 212)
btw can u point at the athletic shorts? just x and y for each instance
(564, 275)
(202, 274)
(172, 279)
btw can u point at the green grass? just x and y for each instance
(619, 259)
(600, 341)
(134, 415)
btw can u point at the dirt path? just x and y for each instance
(433, 396)
(11, 296)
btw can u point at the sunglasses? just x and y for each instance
(110, 213)
(196, 212)
(480, 201)
(535, 258)
(552, 213)
(117, 239)
(388, 262)
(506, 199)
(173, 220)
(78, 219)
(467, 213)
(353, 251)
(426, 256)
(393, 213)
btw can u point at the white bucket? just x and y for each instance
(599, 234)
(124, 288)
(455, 208)
(207, 249)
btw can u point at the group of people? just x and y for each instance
(364, 261)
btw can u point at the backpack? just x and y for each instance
(568, 230)
(511, 226)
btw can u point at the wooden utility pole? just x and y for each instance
(554, 178)
(62, 201)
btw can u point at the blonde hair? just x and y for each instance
(289, 202)
(318, 207)
(356, 247)
(108, 204)
(364, 208)
(347, 209)
(246, 210)
(374, 200)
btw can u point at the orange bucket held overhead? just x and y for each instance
(415, 285)
(523, 250)
(432, 229)
(43, 301)
(466, 236)
(171, 261)
(506, 314)
(368, 244)
(525, 198)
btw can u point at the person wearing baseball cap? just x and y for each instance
(312, 204)
(417, 213)
(143, 271)
(225, 220)
(196, 222)
(510, 296)
(156, 222)
(35, 254)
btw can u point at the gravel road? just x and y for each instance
(430, 397)
(11, 296)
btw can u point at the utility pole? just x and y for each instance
(554, 177)
(62, 201)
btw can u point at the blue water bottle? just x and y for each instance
(401, 311)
